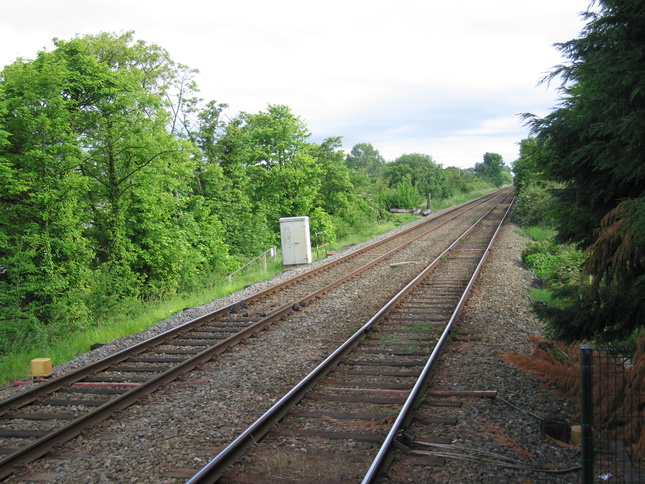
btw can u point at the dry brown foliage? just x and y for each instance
(333, 420)
(627, 397)
(559, 367)
(617, 253)
(381, 422)
(556, 364)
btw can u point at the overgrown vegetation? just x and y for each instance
(566, 302)
(583, 174)
(119, 186)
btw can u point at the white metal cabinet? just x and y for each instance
(296, 241)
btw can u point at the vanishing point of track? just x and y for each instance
(369, 387)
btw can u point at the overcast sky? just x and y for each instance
(447, 79)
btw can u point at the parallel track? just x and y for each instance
(350, 411)
(91, 394)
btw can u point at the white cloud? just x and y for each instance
(441, 78)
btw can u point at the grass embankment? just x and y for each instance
(146, 314)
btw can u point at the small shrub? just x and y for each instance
(540, 263)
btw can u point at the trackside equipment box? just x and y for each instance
(296, 241)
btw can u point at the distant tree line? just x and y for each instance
(584, 171)
(117, 182)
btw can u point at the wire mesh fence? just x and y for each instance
(613, 416)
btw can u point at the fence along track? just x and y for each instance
(66, 405)
(362, 395)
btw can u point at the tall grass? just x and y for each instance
(538, 233)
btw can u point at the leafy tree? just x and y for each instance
(403, 195)
(222, 179)
(43, 251)
(491, 169)
(366, 158)
(97, 186)
(459, 181)
(593, 143)
(337, 194)
(283, 176)
(274, 137)
(528, 168)
(336, 189)
(421, 171)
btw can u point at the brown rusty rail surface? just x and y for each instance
(359, 400)
(91, 394)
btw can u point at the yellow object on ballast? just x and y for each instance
(576, 435)
(41, 367)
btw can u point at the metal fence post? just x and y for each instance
(586, 410)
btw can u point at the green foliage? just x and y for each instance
(606, 319)
(593, 142)
(421, 171)
(120, 187)
(540, 263)
(458, 182)
(96, 209)
(355, 218)
(542, 295)
(403, 195)
(558, 265)
(529, 167)
(535, 206)
(321, 221)
(591, 147)
(537, 233)
(364, 157)
(491, 169)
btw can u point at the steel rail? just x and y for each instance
(212, 471)
(41, 446)
(405, 415)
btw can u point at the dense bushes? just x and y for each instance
(558, 265)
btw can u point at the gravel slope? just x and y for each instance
(498, 312)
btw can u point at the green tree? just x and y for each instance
(423, 173)
(98, 186)
(491, 169)
(44, 254)
(336, 189)
(459, 181)
(592, 145)
(366, 158)
(402, 195)
(337, 195)
(283, 177)
(274, 137)
(222, 179)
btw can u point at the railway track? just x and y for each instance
(342, 421)
(61, 408)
